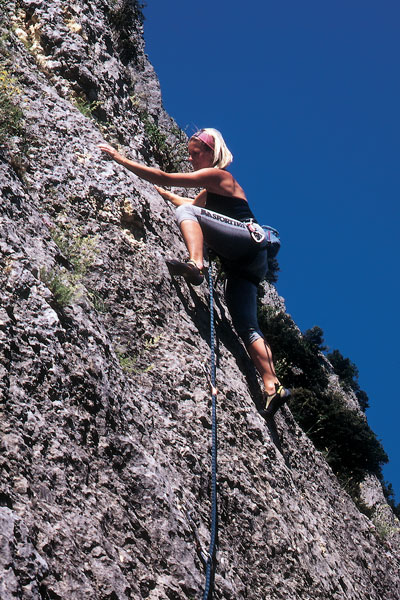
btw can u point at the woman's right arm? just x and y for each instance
(200, 199)
(174, 198)
(206, 178)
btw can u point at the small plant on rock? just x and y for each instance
(85, 107)
(79, 249)
(11, 114)
(78, 252)
(136, 363)
(59, 284)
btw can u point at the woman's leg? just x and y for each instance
(227, 237)
(231, 239)
(261, 355)
(241, 299)
(193, 238)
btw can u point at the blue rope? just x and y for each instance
(210, 566)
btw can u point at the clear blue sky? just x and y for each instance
(307, 96)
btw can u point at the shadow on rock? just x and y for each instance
(200, 316)
(270, 422)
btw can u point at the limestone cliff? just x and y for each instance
(105, 422)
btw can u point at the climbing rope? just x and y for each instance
(210, 564)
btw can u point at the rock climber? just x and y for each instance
(220, 217)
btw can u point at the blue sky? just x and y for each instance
(307, 96)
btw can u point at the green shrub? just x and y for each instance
(347, 372)
(11, 114)
(122, 11)
(350, 447)
(314, 338)
(303, 364)
(344, 369)
(390, 497)
(343, 435)
(126, 17)
(59, 284)
(363, 399)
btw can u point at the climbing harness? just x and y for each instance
(256, 232)
(211, 556)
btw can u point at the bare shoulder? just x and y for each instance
(225, 183)
(214, 180)
(217, 181)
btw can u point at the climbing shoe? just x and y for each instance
(187, 269)
(275, 401)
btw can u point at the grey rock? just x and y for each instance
(20, 563)
(105, 420)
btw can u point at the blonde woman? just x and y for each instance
(220, 218)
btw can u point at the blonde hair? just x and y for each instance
(222, 156)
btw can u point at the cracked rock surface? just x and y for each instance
(105, 410)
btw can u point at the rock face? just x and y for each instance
(105, 410)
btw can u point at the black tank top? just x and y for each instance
(235, 208)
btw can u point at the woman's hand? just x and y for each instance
(164, 193)
(109, 150)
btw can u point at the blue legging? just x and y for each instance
(244, 260)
